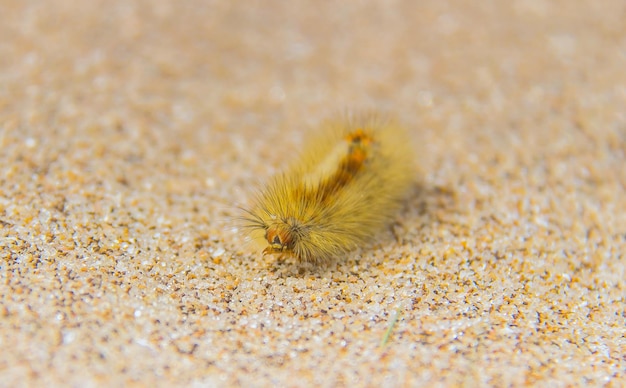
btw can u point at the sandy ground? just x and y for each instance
(130, 131)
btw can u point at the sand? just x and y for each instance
(130, 131)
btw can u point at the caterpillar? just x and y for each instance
(346, 186)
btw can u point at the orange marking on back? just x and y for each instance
(358, 152)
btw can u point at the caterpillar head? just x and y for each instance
(280, 237)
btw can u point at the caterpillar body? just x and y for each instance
(348, 183)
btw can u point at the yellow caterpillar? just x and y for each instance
(348, 183)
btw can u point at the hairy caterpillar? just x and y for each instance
(348, 183)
